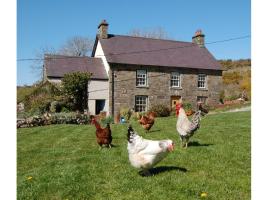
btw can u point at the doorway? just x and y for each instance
(100, 104)
(174, 101)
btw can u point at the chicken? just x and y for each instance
(147, 121)
(144, 154)
(187, 128)
(103, 135)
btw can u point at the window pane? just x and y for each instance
(175, 79)
(141, 78)
(140, 103)
(201, 80)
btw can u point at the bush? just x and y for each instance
(187, 106)
(106, 120)
(126, 113)
(160, 110)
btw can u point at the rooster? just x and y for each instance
(187, 128)
(103, 135)
(147, 121)
(144, 154)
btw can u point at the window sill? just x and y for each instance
(176, 88)
(142, 86)
(203, 89)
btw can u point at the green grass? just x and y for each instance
(66, 163)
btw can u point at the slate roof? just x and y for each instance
(58, 65)
(156, 52)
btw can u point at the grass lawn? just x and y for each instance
(65, 162)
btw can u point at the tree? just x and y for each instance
(75, 87)
(156, 33)
(77, 46)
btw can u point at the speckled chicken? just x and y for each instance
(186, 128)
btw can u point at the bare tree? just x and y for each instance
(77, 46)
(157, 33)
(37, 64)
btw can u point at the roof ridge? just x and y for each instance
(169, 40)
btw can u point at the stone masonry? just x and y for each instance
(123, 87)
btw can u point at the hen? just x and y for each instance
(187, 128)
(103, 135)
(144, 154)
(147, 121)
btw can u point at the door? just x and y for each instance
(174, 101)
(100, 104)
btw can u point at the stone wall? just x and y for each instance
(159, 90)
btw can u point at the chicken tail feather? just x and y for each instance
(130, 133)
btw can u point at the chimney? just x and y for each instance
(198, 38)
(103, 29)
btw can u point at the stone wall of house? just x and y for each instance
(159, 90)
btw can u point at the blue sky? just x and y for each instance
(50, 23)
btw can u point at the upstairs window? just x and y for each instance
(140, 103)
(201, 81)
(141, 78)
(175, 79)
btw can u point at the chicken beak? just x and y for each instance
(170, 147)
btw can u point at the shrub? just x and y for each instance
(187, 106)
(75, 87)
(160, 110)
(106, 120)
(126, 113)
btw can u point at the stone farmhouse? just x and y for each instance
(137, 72)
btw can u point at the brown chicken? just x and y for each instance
(103, 135)
(147, 121)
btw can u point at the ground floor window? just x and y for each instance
(202, 99)
(140, 103)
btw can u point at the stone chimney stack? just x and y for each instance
(198, 38)
(103, 29)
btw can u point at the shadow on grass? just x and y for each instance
(197, 144)
(152, 131)
(161, 169)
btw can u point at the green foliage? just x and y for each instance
(75, 87)
(236, 78)
(187, 106)
(126, 113)
(23, 91)
(65, 162)
(160, 110)
(106, 120)
(39, 100)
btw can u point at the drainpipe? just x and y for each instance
(112, 93)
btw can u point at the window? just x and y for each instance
(140, 103)
(175, 79)
(201, 81)
(141, 78)
(201, 99)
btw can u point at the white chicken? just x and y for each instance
(187, 128)
(143, 153)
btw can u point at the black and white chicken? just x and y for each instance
(186, 128)
(143, 153)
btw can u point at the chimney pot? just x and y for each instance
(103, 29)
(198, 38)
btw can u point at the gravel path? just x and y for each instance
(248, 108)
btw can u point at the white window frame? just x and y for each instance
(202, 81)
(202, 99)
(176, 77)
(141, 76)
(141, 101)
